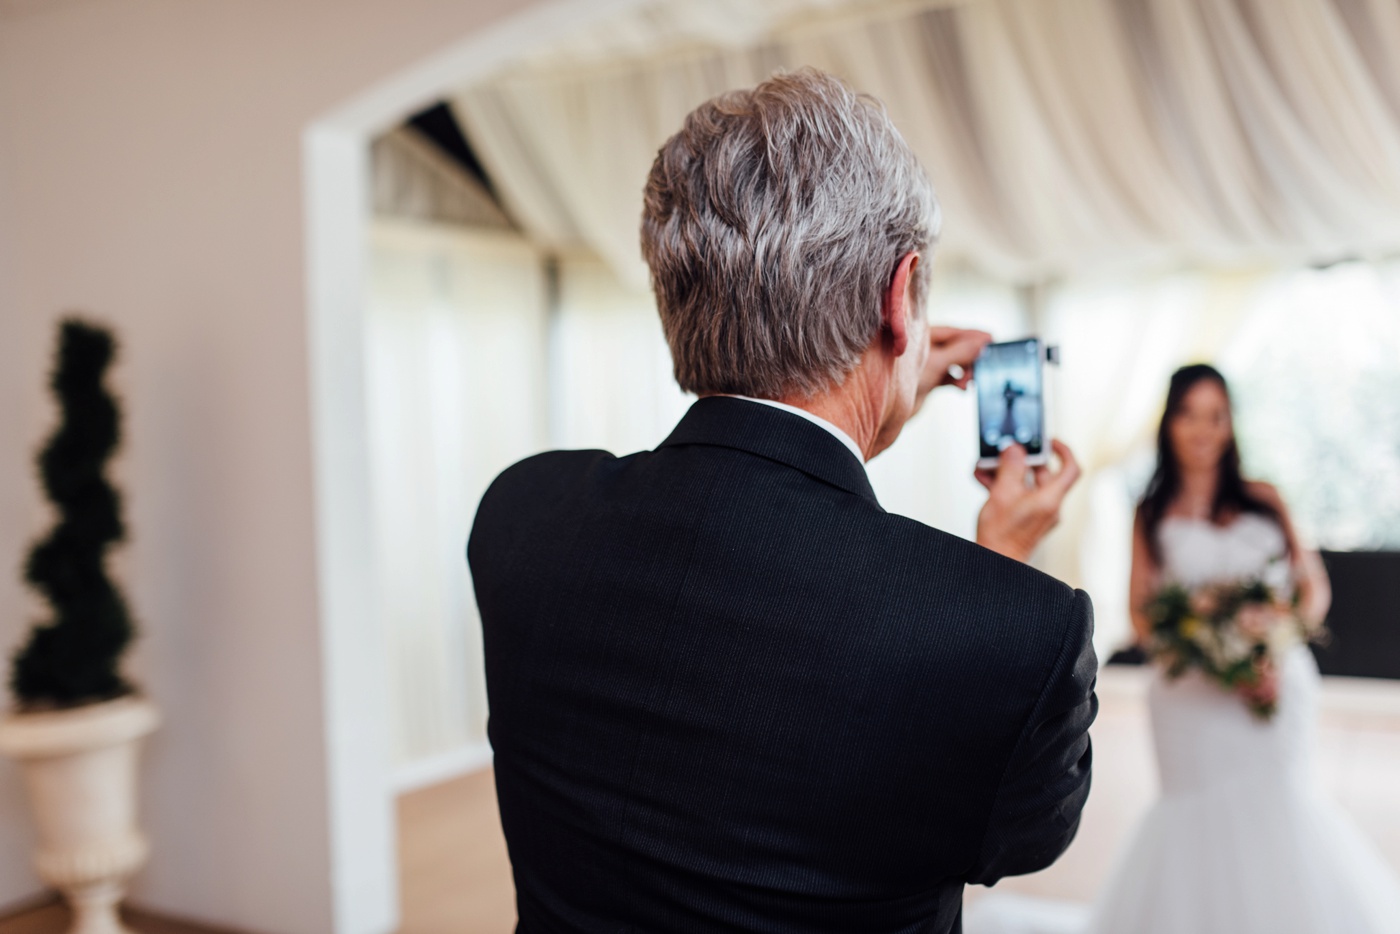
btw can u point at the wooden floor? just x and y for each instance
(456, 876)
(51, 916)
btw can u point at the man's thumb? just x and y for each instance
(1011, 469)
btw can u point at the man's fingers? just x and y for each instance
(1008, 480)
(1069, 467)
(962, 379)
(946, 335)
(958, 345)
(1011, 471)
(1008, 477)
(968, 348)
(952, 351)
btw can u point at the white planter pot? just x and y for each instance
(80, 769)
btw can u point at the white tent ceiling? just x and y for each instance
(1063, 136)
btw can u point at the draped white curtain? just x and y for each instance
(411, 179)
(1063, 136)
(455, 348)
(610, 366)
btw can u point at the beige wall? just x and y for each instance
(151, 175)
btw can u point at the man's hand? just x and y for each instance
(949, 347)
(1021, 511)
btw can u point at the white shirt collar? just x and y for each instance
(817, 420)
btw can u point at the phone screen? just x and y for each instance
(1010, 397)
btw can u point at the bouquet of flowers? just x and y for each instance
(1236, 633)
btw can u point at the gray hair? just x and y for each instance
(773, 224)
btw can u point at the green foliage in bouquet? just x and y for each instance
(73, 658)
(1234, 633)
(1187, 628)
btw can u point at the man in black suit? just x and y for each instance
(728, 691)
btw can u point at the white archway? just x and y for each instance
(354, 689)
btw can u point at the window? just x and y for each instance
(1315, 375)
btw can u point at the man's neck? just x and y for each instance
(849, 407)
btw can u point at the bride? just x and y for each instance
(1241, 839)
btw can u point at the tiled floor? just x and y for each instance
(456, 876)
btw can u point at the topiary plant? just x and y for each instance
(73, 658)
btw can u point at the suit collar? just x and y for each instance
(724, 421)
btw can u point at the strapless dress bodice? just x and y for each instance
(1196, 552)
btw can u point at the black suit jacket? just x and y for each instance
(729, 692)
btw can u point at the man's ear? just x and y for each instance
(897, 307)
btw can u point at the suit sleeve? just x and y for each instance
(1036, 811)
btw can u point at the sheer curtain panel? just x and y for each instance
(456, 332)
(1064, 136)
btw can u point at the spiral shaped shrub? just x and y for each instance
(73, 658)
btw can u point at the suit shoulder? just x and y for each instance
(554, 460)
(534, 486)
(1016, 606)
(546, 469)
(976, 561)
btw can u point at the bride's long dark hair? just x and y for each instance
(1232, 497)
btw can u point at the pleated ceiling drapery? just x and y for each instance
(1063, 136)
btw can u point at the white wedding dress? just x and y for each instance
(1242, 840)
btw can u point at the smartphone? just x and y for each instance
(1011, 400)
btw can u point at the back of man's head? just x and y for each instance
(773, 222)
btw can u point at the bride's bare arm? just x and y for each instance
(1141, 582)
(1314, 589)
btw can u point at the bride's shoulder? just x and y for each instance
(1269, 495)
(1265, 493)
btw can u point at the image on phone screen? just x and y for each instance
(1010, 398)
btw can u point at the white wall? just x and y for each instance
(16, 380)
(151, 174)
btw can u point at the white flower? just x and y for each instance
(1278, 577)
(1235, 646)
(1282, 637)
(1205, 638)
